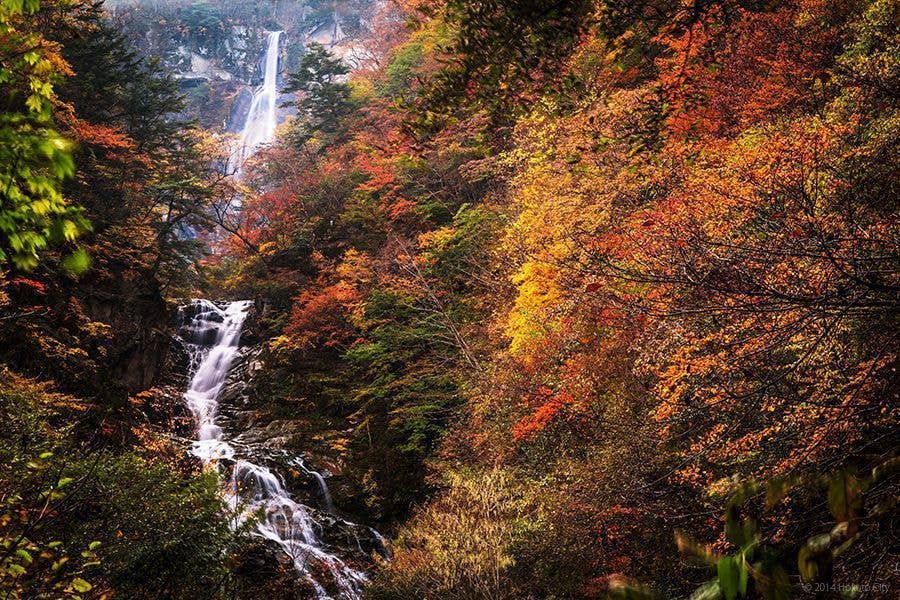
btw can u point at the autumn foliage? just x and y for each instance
(688, 278)
(584, 298)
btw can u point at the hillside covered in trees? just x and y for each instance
(521, 299)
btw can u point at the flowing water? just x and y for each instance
(212, 338)
(262, 118)
(251, 486)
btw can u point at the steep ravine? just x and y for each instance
(274, 487)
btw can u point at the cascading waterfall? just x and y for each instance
(262, 119)
(212, 338)
(215, 335)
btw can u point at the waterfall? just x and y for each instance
(262, 119)
(215, 336)
(324, 494)
(212, 338)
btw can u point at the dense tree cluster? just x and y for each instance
(594, 273)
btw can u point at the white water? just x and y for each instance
(262, 119)
(218, 332)
(253, 489)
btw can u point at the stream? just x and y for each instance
(326, 550)
(211, 333)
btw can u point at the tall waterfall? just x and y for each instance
(212, 338)
(259, 126)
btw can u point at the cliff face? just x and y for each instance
(214, 48)
(211, 52)
(103, 337)
(137, 318)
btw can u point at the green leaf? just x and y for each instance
(708, 591)
(69, 230)
(80, 585)
(728, 573)
(744, 577)
(24, 555)
(844, 496)
(35, 103)
(76, 263)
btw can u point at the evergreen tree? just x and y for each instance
(140, 168)
(326, 96)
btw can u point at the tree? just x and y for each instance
(326, 98)
(502, 56)
(135, 148)
(34, 158)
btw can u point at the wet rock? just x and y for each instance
(234, 390)
(264, 572)
(240, 106)
(274, 434)
(266, 467)
(177, 363)
(253, 331)
(355, 542)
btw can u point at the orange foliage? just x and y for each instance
(319, 318)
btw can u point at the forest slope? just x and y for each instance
(590, 274)
(580, 298)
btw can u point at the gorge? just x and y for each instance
(210, 332)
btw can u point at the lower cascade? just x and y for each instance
(211, 334)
